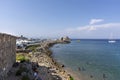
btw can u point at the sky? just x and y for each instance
(55, 18)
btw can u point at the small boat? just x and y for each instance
(111, 40)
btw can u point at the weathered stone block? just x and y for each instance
(7, 54)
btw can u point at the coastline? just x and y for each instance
(38, 59)
(67, 69)
(48, 61)
(74, 74)
(48, 67)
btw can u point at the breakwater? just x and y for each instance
(43, 57)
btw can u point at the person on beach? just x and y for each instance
(104, 75)
(83, 69)
(79, 68)
(91, 76)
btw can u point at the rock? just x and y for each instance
(15, 64)
(91, 76)
(23, 74)
(62, 65)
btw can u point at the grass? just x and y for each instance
(21, 58)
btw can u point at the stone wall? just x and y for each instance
(7, 54)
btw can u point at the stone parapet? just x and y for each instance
(7, 54)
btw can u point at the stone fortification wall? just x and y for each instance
(7, 54)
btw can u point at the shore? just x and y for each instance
(44, 59)
(66, 72)
(74, 74)
(46, 66)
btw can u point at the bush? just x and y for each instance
(71, 78)
(21, 58)
(25, 78)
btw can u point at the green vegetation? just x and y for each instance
(71, 78)
(32, 47)
(25, 78)
(21, 58)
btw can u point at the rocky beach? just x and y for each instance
(39, 61)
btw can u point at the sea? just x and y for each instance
(90, 59)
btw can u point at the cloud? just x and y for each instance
(95, 31)
(89, 27)
(93, 27)
(93, 21)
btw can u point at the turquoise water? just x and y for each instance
(94, 58)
